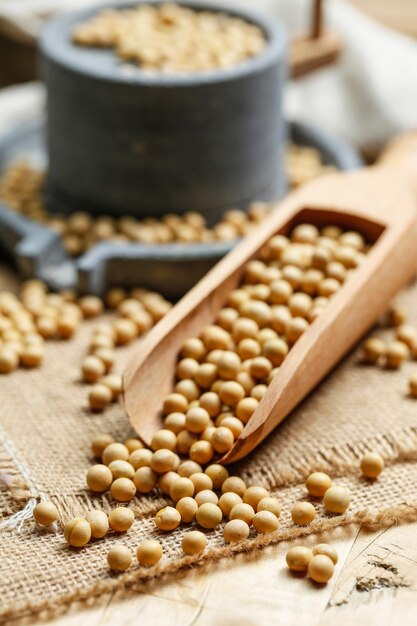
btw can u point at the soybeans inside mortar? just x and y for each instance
(172, 38)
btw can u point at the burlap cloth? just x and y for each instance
(45, 434)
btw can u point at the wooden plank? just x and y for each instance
(249, 590)
(375, 582)
(378, 584)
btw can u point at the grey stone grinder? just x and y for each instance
(125, 142)
(171, 269)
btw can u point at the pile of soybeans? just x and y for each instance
(221, 377)
(173, 39)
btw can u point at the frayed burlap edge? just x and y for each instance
(139, 579)
(397, 447)
(13, 481)
(342, 460)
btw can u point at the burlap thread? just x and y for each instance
(45, 435)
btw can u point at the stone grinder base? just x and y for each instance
(171, 269)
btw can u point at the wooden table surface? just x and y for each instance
(375, 582)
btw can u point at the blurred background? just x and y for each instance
(20, 21)
(366, 98)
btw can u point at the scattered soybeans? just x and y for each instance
(182, 488)
(374, 350)
(145, 479)
(221, 377)
(236, 530)
(114, 452)
(99, 478)
(99, 443)
(396, 353)
(140, 458)
(123, 489)
(228, 501)
(412, 384)
(99, 397)
(324, 548)
(119, 557)
(209, 515)
(9, 360)
(188, 468)
(407, 334)
(217, 473)
(244, 512)
(149, 552)
(99, 523)
(269, 504)
(187, 508)
(77, 532)
(303, 513)
(164, 460)
(194, 543)
(298, 558)
(234, 484)
(265, 522)
(396, 315)
(253, 495)
(167, 518)
(133, 444)
(164, 439)
(135, 317)
(318, 563)
(45, 513)
(320, 568)
(318, 483)
(372, 465)
(206, 495)
(92, 369)
(35, 315)
(336, 499)
(121, 469)
(121, 519)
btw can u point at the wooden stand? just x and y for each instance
(318, 49)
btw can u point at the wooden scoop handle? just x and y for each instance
(378, 201)
(401, 154)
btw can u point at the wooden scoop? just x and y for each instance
(378, 201)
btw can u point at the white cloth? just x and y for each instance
(369, 96)
(20, 104)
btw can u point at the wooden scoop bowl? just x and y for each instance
(380, 202)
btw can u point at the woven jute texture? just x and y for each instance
(45, 435)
